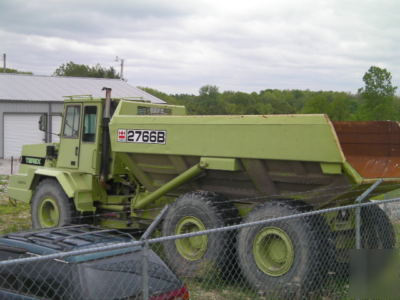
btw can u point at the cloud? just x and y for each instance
(180, 45)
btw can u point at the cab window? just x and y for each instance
(71, 122)
(89, 124)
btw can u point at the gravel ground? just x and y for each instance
(5, 166)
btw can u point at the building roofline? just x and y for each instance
(27, 100)
(52, 76)
(44, 88)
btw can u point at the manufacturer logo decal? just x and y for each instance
(30, 160)
(121, 135)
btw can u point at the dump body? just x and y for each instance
(274, 155)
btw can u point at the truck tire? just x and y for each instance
(284, 259)
(377, 231)
(50, 205)
(193, 212)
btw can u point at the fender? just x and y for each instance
(76, 185)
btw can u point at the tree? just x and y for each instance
(207, 103)
(377, 96)
(378, 83)
(342, 108)
(79, 70)
(316, 104)
(211, 91)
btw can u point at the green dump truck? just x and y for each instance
(120, 161)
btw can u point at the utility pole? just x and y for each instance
(4, 62)
(122, 66)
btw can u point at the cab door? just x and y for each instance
(68, 155)
(89, 154)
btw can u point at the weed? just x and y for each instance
(13, 216)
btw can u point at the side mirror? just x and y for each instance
(43, 123)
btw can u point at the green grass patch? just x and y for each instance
(208, 290)
(13, 216)
(396, 227)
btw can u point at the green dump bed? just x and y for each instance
(276, 154)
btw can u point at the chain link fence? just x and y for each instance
(206, 247)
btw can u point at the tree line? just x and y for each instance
(375, 101)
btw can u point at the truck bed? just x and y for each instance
(277, 154)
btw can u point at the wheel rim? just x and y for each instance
(273, 251)
(192, 248)
(49, 214)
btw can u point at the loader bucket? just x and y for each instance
(371, 148)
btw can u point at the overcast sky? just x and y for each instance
(178, 46)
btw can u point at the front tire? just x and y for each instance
(283, 258)
(50, 205)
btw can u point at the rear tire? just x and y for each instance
(50, 206)
(284, 258)
(377, 231)
(193, 212)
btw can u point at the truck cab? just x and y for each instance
(74, 165)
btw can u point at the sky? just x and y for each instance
(178, 46)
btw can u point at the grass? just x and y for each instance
(13, 216)
(200, 290)
(16, 217)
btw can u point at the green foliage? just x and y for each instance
(376, 101)
(338, 105)
(163, 96)
(377, 96)
(14, 71)
(13, 216)
(378, 83)
(210, 91)
(78, 70)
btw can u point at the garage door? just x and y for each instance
(55, 128)
(20, 129)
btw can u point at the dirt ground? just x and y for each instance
(5, 166)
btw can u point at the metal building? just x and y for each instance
(23, 98)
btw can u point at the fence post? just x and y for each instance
(155, 223)
(145, 270)
(358, 211)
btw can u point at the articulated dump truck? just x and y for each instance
(119, 162)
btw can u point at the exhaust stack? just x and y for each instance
(105, 153)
